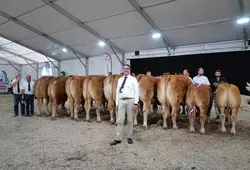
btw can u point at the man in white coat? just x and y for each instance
(127, 97)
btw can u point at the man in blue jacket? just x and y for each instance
(217, 79)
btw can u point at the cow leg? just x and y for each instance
(54, 108)
(98, 111)
(234, 119)
(191, 118)
(165, 114)
(175, 111)
(155, 108)
(87, 107)
(146, 111)
(76, 109)
(49, 108)
(202, 119)
(46, 101)
(62, 104)
(39, 106)
(111, 108)
(222, 112)
(135, 115)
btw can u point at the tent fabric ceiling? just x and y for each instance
(184, 22)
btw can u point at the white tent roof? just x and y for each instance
(48, 26)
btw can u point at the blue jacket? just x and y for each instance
(215, 80)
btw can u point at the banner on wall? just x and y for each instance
(47, 70)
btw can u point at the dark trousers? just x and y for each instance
(29, 100)
(17, 100)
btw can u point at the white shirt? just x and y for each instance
(201, 80)
(130, 90)
(25, 86)
(15, 87)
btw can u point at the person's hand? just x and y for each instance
(135, 107)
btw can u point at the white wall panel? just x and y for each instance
(74, 36)
(141, 42)
(2, 19)
(145, 3)
(41, 43)
(15, 31)
(93, 49)
(94, 9)
(121, 25)
(17, 7)
(73, 67)
(47, 20)
(185, 12)
(225, 31)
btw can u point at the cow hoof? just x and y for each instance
(76, 120)
(223, 130)
(233, 131)
(112, 122)
(98, 121)
(192, 130)
(175, 128)
(88, 120)
(72, 118)
(165, 127)
(145, 127)
(39, 115)
(202, 131)
(53, 118)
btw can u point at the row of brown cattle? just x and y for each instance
(171, 91)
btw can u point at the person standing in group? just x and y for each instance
(28, 87)
(149, 73)
(186, 73)
(217, 79)
(200, 78)
(18, 95)
(127, 97)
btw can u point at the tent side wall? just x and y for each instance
(10, 71)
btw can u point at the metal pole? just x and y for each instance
(14, 66)
(245, 34)
(79, 59)
(37, 73)
(87, 67)
(116, 55)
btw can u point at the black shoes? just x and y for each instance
(130, 141)
(115, 142)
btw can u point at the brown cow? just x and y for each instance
(171, 90)
(147, 95)
(228, 96)
(110, 85)
(57, 93)
(93, 90)
(198, 99)
(76, 98)
(41, 93)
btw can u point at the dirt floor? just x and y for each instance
(40, 143)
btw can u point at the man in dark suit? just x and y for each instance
(217, 79)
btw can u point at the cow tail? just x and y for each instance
(111, 102)
(86, 82)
